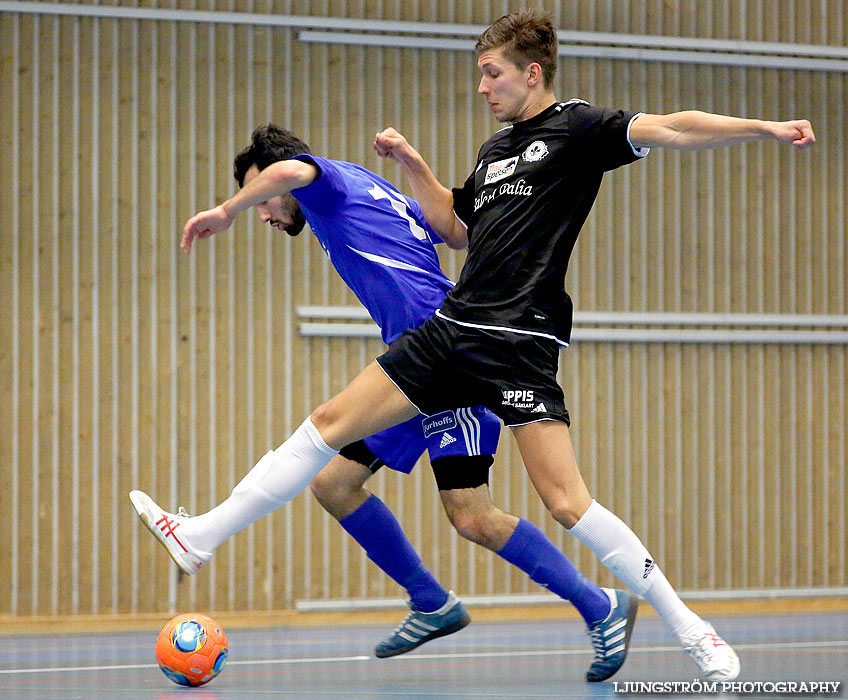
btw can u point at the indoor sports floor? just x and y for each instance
(539, 659)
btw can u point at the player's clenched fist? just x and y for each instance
(390, 143)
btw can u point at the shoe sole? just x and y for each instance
(140, 511)
(443, 632)
(632, 611)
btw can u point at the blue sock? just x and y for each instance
(535, 554)
(378, 532)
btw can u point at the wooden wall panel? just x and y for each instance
(128, 364)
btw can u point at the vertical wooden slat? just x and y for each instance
(838, 86)
(134, 320)
(117, 456)
(727, 290)
(652, 227)
(210, 463)
(676, 375)
(75, 310)
(173, 294)
(192, 149)
(305, 546)
(270, 280)
(10, 31)
(24, 352)
(55, 330)
(291, 360)
(231, 470)
(738, 254)
(156, 244)
(93, 138)
(328, 103)
(250, 101)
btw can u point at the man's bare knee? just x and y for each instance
(566, 512)
(325, 489)
(338, 488)
(469, 525)
(490, 528)
(323, 418)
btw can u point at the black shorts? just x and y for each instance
(442, 365)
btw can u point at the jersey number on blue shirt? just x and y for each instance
(400, 206)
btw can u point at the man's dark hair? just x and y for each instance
(527, 36)
(270, 144)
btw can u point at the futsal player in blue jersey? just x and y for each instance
(383, 248)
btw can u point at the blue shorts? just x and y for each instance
(455, 433)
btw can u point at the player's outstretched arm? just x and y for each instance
(693, 130)
(276, 179)
(436, 201)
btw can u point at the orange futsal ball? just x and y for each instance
(191, 649)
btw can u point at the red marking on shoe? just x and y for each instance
(168, 529)
(716, 640)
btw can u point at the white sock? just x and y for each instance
(277, 478)
(623, 553)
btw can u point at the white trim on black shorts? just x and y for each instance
(535, 420)
(520, 331)
(411, 403)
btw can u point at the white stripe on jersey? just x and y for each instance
(388, 262)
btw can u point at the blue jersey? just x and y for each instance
(378, 241)
(383, 248)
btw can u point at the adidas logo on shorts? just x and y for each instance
(540, 409)
(447, 439)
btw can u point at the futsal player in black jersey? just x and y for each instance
(497, 336)
(496, 339)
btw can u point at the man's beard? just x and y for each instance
(298, 219)
(297, 225)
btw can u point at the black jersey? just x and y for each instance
(524, 205)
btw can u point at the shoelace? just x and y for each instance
(598, 642)
(183, 513)
(701, 648)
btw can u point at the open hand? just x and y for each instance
(203, 225)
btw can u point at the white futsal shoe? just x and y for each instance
(165, 527)
(716, 657)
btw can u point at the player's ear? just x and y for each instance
(534, 74)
